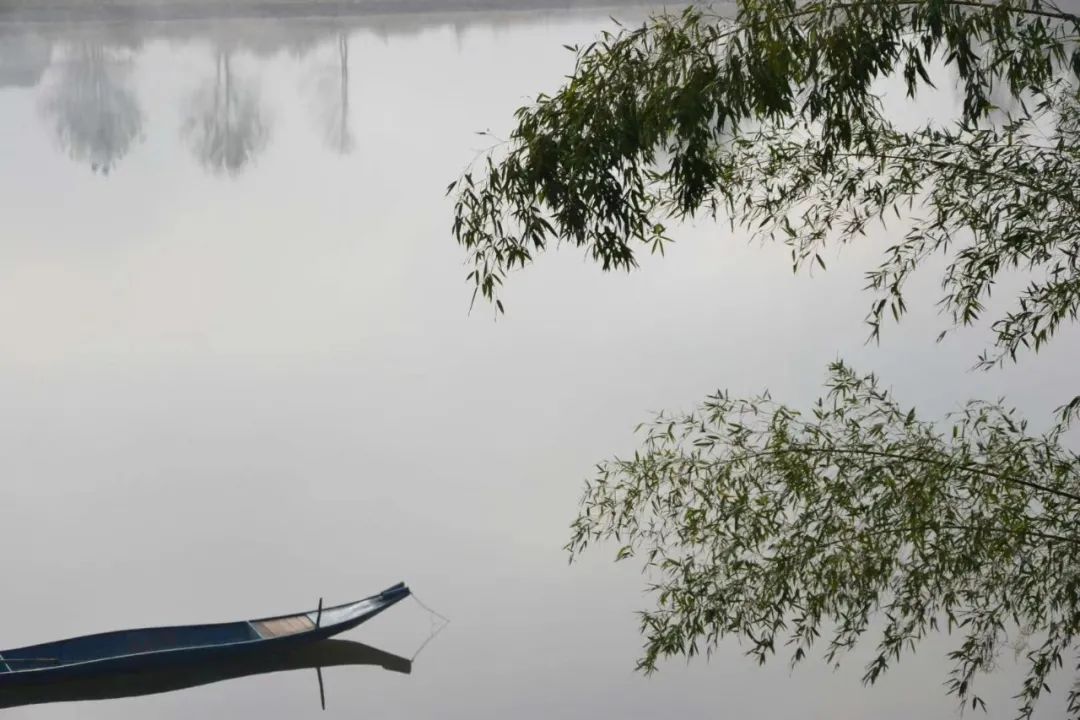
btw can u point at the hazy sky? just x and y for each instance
(231, 385)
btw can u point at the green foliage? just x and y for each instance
(774, 120)
(791, 529)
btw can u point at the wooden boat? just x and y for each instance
(113, 686)
(148, 648)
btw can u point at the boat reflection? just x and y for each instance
(323, 654)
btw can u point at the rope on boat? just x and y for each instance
(436, 613)
(434, 631)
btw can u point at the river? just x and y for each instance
(239, 372)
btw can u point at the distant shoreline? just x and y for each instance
(46, 11)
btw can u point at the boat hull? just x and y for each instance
(163, 648)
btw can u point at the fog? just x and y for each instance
(156, 10)
(239, 372)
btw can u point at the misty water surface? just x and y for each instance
(238, 371)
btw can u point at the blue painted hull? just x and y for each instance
(157, 648)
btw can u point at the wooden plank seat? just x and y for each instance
(283, 626)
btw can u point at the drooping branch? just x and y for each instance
(655, 123)
(779, 526)
(975, 468)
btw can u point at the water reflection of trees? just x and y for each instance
(91, 106)
(332, 101)
(89, 102)
(226, 129)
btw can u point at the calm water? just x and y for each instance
(238, 372)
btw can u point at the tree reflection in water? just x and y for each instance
(336, 130)
(326, 88)
(226, 129)
(91, 106)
